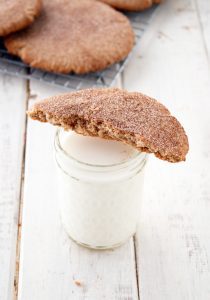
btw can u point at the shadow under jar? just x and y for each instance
(100, 189)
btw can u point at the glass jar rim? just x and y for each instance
(133, 158)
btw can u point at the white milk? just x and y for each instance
(100, 186)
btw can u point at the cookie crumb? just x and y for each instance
(78, 283)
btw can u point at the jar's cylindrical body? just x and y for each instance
(99, 205)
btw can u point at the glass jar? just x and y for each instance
(99, 204)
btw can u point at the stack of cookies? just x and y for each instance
(66, 36)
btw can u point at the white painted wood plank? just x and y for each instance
(173, 239)
(203, 12)
(12, 126)
(50, 261)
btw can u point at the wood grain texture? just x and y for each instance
(173, 239)
(12, 127)
(51, 265)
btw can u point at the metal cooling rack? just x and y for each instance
(12, 65)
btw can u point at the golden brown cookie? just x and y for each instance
(17, 14)
(78, 36)
(132, 5)
(132, 118)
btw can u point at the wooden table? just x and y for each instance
(169, 258)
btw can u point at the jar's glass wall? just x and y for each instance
(100, 213)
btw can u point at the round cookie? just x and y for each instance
(132, 118)
(132, 5)
(17, 14)
(74, 36)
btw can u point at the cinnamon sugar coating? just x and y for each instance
(74, 36)
(132, 118)
(17, 14)
(132, 5)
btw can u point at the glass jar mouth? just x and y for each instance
(134, 157)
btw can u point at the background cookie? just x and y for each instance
(132, 118)
(79, 36)
(17, 14)
(131, 4)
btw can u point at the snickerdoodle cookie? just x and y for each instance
(132, 5)
(132, 118)
(17, 14)
(74, 36)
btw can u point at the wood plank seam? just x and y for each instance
(136, 266)
(200, 25)
(18, 243)
(12, 127)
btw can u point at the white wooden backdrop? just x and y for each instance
(169, 259)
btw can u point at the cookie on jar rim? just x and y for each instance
(111, 113)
